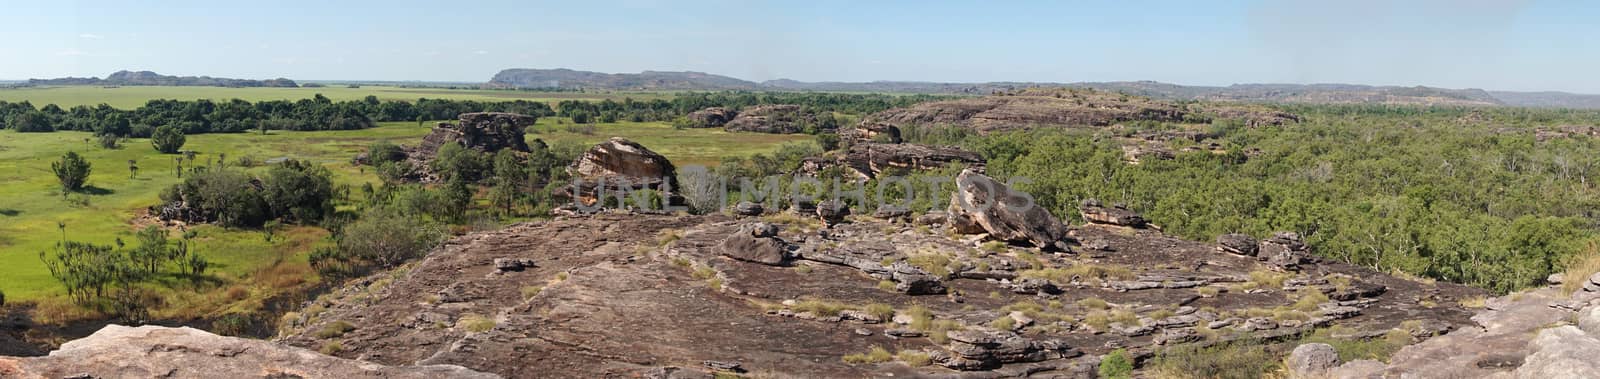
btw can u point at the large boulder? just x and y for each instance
(1285, 251)
(1312, 360)
(619, 164)
(1005, 214)
(1237, 243)
(160, 352)
(1118, 215)
(756, 242)
(832, 212)
(714, 117)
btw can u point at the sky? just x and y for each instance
(1527, 45)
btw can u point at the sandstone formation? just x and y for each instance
(161, 352)
(714, 117)
(1095, 212)
(1004, 214)
(608, 298)
(619, 164)
(485, 131)
(866, 161)
(1034, 108)
(1529, 334)
(872, 132)
(777, 119)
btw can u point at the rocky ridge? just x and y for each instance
(786, 294)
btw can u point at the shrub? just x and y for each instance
(475, 323)
(914, 358)
(72, 171)
(877, 355)
(167, 139)
(299, 191)
(109, 141)
(382, 152)
(331, 347)
(384, 238)
(1116, 365)
(1242, 359)
(881, 311)
(335, 329)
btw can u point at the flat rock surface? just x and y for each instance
(161, 352)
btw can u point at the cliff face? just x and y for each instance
(160, 352)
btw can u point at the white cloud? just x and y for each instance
(91, 36)
(480, 52)
(69, 52)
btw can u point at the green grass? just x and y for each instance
(134, 96)
(31, 203)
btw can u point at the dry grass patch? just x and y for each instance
(878, 354)
(475, 323)
(1581, 267)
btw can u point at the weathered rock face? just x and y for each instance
(833, 212)
(871, 160)
(152, 352)
(1236, 243)
(487, 132)
(757, 243)
(1285, 250)
(1005, 214)
(1033, 108)
(872, 132)
(1095, 212)
(619, 164)
(1253, 116)
(777, 119)
(1562, 352)
(613, 300)
(1313, 360)
(714, 117)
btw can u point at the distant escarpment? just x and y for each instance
(147, 78)
(648, 80)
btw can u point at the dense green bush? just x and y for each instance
(292, 190)
(72, 171)
(1391, 188)
(167, 139)
(1116, 365)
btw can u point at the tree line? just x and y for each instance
(236, 116)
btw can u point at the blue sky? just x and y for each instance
(1509, 45)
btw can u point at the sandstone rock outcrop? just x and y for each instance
(714, 117)
(1095, 212)
(152, 351)
(619, 164)
(871, 160)
(872, 132)
(778, 119)
(610, 297)
(757, 243)
(1285, 251)
(1312, 360)
(1004, 214)
(1033, 108)
(1237, 243)
(484, 131)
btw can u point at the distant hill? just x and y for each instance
(147, 78)
(1265, 93)
(648, 80)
